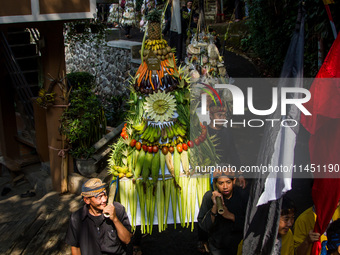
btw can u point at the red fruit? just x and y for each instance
(197, 141)
(202, 138)
(185, 146)
(155, 149)
(145, 148)
(171, 149)
(179, 148)
(123, 133)
(126, 136)
(204, 132)
(150, 149)
(133, 143)
(138, 145)
(190, 144)
(165, 150)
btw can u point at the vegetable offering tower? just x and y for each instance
(129, 13)
(155, 146)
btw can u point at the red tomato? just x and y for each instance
(138, 145)
(155, 149)
(202, 138)
(185, 146)
(126, 136)
(171, 149)
(145, 148)
(165, 150)
(150, 149)
(197, 141)
(133, 143)
(179, 148)
(190, 144)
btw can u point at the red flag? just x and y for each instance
(324, 145)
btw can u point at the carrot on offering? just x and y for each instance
(142, 74)
(159, 77)
(147, 74)
(166, 69)
(150, 76)
(162, 70)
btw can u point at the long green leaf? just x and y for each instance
(173, 192)
(143, 44)
(167, 191)
(160, 205)
(141, 195)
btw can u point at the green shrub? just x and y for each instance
(81, 79)
(83, 122)
(272, 24)
(116, 109)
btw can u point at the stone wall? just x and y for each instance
(110, 65)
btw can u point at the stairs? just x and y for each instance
(26, 55)
(24, 73)
(22, 64)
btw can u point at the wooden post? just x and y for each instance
(41, 132)
(54, 67)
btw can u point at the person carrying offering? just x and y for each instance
(98, 228)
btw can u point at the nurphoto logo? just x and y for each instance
(284, 98)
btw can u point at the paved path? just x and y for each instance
(34, 225)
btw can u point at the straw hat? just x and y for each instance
(92, 187)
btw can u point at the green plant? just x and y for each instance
(45, 98)
(272, 23)
(115, 110)
(81, 79)
(83, 122)
(154, 15)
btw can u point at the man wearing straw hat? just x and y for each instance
(224, 224)
(98, 228)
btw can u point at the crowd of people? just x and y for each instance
(177, 28)
(100, 228)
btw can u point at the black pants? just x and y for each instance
(176, 41)
(127, 29)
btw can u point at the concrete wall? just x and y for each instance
(110, 65)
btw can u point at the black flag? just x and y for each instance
(277, 148)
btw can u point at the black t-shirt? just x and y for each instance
(96, 235)
(224, 234)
